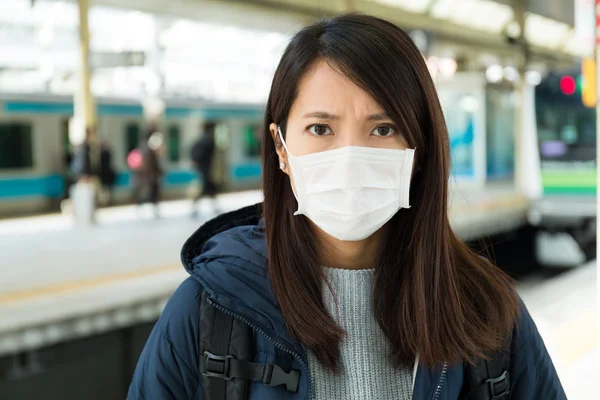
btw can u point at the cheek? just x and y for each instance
(295, 143)
(301, 144)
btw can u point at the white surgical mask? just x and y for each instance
(352, 191)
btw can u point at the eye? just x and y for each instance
(318, 130)
(384, 131)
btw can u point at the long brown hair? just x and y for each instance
(433, 296)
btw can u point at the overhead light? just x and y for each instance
(511, 73)
(533, 78)
(494, 73)
(447, 67)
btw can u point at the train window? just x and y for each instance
(173, 140)
(132, 137)
(16, 150)
(251, 140)
(500, 148)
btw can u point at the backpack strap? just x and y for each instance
(219, 367)
(223, 325)
(490, 379)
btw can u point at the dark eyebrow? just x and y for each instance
(378, 117)
(326, 116)
(321, 115)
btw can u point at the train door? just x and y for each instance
(219, 166)
(16, 147)
(132, 137)
(174, 144)
(252, 141)
(500, 144)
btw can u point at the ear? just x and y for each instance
(281, 153)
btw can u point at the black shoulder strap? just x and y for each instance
(490, 380)
(219, 367)
(221, 335)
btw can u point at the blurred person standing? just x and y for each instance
(67, 174)
(107, 173)
(81, 161)
(147, 169)
(84, 190)
(202, 156)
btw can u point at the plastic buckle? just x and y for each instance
(275, 376)
(502, 384)
(217, 366)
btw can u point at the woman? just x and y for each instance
(345, 284)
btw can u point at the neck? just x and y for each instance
(348, 255)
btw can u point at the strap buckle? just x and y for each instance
(275, 376)
(217, 366)
(499, 387)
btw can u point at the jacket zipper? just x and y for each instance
(438, 390)
(269, 338)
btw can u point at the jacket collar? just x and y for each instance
(228, 256)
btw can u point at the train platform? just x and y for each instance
(565, 310)
(60, 282)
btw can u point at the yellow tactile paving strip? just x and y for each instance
(72, 286)
(576, 338)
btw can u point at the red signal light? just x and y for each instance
(568, 85)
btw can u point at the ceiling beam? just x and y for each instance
(288, 16)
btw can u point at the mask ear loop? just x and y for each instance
(290, 155)
(283, 141)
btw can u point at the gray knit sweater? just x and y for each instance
(366, 371)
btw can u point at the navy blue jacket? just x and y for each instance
(227, 258)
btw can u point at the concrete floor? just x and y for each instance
(46, 262)
(565, 309)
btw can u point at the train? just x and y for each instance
(567, 148)
(35, 146)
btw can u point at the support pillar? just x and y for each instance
(527, 164)
(83, 130)
(84, 102)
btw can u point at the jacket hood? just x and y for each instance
(228, 257)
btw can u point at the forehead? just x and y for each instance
(323, 88)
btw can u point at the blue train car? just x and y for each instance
(34, 146)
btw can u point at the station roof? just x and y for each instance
(475, 24)
(228, 49)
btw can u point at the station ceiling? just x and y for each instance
(469, 25)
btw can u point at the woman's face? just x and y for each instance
(330, 112)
